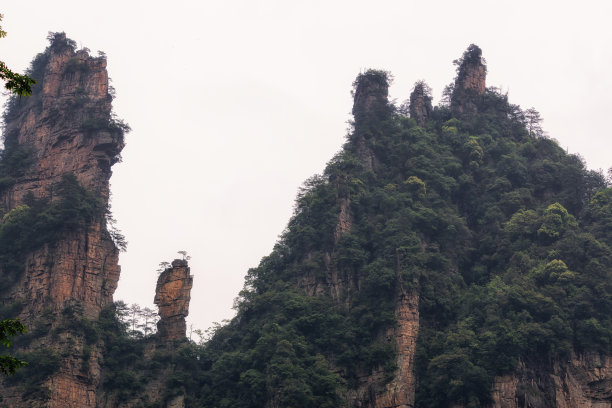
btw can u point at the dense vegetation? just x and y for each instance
(505, 237)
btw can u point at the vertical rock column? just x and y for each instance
(52, 127)
(64, 128)
(370, 107)
(172, 296)
(470, 83)
(420, 103)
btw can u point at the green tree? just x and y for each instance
(8, 329)
(20, 85)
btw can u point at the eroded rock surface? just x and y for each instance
(65, 127)
(470, 83)
(420, 103)
(172, 296)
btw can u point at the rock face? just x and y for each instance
(399, 392)
(172, 296)
(420, 103)
(370, 105)
(370, 95)
(52, 127)
(66, 128)
(584, 381)
(470, 83)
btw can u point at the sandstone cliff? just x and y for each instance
(65, 128)
(373, 388)
(172, 296)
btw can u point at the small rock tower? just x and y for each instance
(420, 103)
(470, 83)
(370, 93)
(172, 296)
(370, 107)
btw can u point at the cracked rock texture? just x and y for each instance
(172, 296)
(67, 128)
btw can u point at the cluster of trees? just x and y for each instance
(138, 322)
(38, 222)
(504, 236)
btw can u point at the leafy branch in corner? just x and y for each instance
(16, 83)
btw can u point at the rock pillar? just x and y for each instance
(470, 83)
(172, 296)
(420, 103)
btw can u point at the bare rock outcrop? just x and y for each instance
(370, 106)
(420, 103)
(399, 392)
(172, 296)
(64, 128)
(470, 83)
(371, 93)
(583, 381)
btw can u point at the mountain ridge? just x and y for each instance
(448, 256)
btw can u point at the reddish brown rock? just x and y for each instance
(67, 128)
(399, 392)
(52, 126)
(370, 94)
(172, 296)
(420, 103)
(470, 83)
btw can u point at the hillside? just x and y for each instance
(448, 256)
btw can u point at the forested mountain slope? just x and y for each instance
(448, 256)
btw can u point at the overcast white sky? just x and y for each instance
(233, 104)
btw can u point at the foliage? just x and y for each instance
(503, 235)
(109, 124)
(17, 84)
(42, 363)
(472, 55)
(38, 222)
(8, 329)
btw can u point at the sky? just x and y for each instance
(234, 104)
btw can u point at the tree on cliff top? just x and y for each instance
(16, 83)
